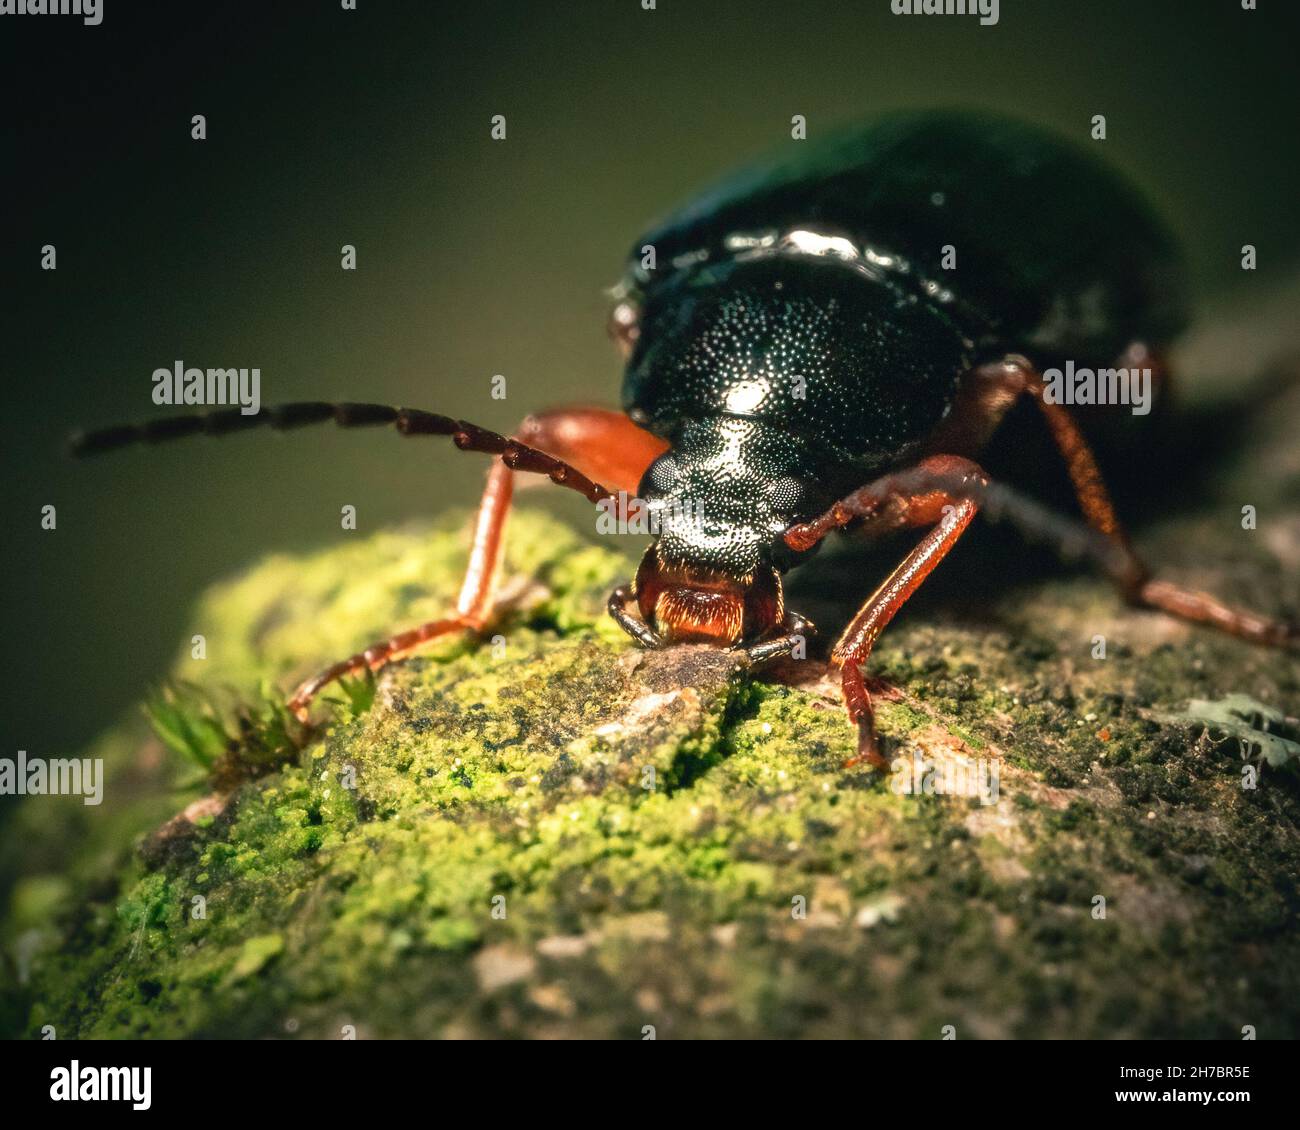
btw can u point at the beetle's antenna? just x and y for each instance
(408, 421)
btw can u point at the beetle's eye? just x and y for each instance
(664, 476)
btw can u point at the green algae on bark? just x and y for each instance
(550, 833)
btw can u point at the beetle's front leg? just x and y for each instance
(374, 657)
(935, 495)
(587, 441)
(474, 608)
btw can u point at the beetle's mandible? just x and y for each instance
(801, 358)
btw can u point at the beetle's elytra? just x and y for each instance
(802, 357)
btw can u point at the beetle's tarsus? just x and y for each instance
(868, 746)
(1202, 608)
(857, 702)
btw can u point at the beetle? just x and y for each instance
(801, 358)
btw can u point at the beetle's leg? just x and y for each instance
(993, 389)
(988, 392)
(797, 629)
(376, 656)
(596, 440)
(472, 608)
(949, 513)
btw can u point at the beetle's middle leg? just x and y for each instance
(602, 444)
(987, 394)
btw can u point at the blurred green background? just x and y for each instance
(328, 127)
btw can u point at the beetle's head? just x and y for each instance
(719, 502)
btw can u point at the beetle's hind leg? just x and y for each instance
(596, 441)
(990, 391)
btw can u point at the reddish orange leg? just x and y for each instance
(958, 488)
(940, 493)
(990, 390)
(569, 443)
(377, 655)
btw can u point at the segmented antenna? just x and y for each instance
(284, 417)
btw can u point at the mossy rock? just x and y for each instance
(555, 834)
